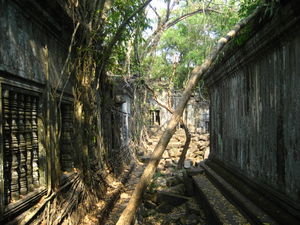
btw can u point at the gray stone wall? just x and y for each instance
(34, 41)
(32, 47)
(255, 107)
(195, 115)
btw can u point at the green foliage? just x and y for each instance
(121, 10)
(153, 185)
(271, 8)
(189, 42)
(248, 6)
(243, 36)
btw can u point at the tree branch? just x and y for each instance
(153, 40)
(156, 13)
(183, 17)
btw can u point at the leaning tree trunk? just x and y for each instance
(185, 148)
(127, 215)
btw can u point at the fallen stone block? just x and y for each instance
(171, 198)
(165, 208)
(187, 164)
(177, 189)
(194, 171)
(172, 181)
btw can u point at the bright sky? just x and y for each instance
(158, 4)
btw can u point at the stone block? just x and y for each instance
(177, 189)
(171, 198)
(194, 171)
(172, 181)
(165, 208)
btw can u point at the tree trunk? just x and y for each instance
(185, 147)
(128, 214)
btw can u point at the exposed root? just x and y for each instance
(72, 201)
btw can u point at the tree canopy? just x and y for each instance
(188, 42)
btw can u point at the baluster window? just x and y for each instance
(20, 143)
(66, 153)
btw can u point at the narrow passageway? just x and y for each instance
(124, 196)
(108, 210)
(167, 200)
(99, 99)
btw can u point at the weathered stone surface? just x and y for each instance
(194, 171)
(177, 189)
(190, 219)
(151, 197)
(149, 205)
(165, 207)
(174, 145)
(172, 181)
(28, 45)
(225, 212)
(124, 195)
(187, 164)
(196, 152)
(192, 207)
(255, 103)
(188, 183)
(171, 198)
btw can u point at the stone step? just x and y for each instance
(258, 204)
(253, 213)
(171, 198)
(218, 209)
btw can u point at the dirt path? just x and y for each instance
(125, 195)
(108, 210)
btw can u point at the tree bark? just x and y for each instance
(185, 147)
(128, 214)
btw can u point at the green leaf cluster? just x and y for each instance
(121, 10)
(188, 43)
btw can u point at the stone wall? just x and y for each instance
(37, 124)
(195, 115)
(255, 107)
(118, 128)
(34, 43)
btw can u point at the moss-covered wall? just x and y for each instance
(255, 106)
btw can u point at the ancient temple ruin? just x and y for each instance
(254, 97)
(37, 111)
(245, 137)
(195, 116)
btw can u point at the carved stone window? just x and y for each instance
(66, 149)
(20, 143)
